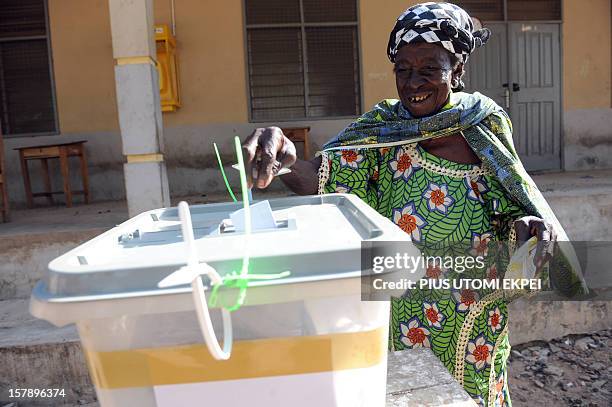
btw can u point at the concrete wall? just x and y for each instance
(83, 66)
(588, 138)
(212, 66)
(587, 73)
(376, 22)
(212, 71)
(192, 166)
(86, 101)
(210, 46)
(213, 91)
(587, 84)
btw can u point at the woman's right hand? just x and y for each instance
(266, 151)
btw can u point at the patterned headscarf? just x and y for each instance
(438, 23)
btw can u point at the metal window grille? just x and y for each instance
(485, 10)
(303, 59)
(516, 10)
(532, 10)
(27, 103)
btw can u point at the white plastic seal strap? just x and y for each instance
(199, 298)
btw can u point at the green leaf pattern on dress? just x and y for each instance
(451, 221)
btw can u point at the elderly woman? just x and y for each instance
(441, 165)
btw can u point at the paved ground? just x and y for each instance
(562, 372)
(574, 182)
(45, 219)
(575, 370)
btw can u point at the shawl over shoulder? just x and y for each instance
(488, 130)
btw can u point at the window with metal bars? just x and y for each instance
(516, 10)
(27, 105)
(303, 59)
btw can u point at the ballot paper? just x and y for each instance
(282, 171)
(261, 217)
(521, 264)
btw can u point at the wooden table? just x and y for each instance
(4, 200)
(299, 135)
(61, 151)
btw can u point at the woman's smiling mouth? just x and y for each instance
(419, 98)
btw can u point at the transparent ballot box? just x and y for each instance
(304, 339)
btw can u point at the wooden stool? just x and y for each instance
(44, 153)
(5, 203)
(299, 135)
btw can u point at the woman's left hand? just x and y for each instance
(529, 226)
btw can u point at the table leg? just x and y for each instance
(306, 148)
(44, 163)
(5, 202)
(26, 180)
(84, 174)
(65, 175)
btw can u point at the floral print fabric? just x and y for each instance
(447, 208)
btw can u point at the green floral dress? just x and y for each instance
(447, 208)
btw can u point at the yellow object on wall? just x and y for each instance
(167, 68)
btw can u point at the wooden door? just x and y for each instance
(534, 73)
(487, 68)
(519, 69)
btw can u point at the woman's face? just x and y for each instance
(423, 75)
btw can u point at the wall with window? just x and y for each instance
(213, 63)
(218, 92)
(211, 49)
(27, 99)
(303, 59)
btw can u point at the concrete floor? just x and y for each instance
(574, 182)
(98, 215)
(45, 219)
(59, 218)
(415, 377)
(581, 200)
